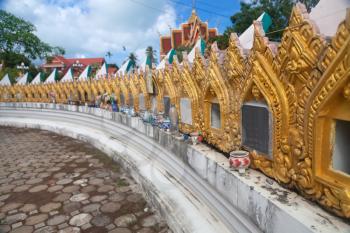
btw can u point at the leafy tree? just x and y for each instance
(94, 69)
(150, 52)
(12, 72)
(181, 49)
(109, 55)
(133, 59)
(221, 40)
(279, 10)
(33, 71)
(18, 42)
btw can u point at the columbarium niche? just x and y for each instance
(328, 130)
(215, 116)
(122, 99)
(142, 105)
(332, 135)
(341, 148)
(213, 111)
(166, 103)
(186, 111)
(131, 101)
(257, 127)
(154, 104)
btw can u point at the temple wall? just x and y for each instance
(191, 185)
(304, 85)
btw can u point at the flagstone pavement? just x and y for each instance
(51, 183)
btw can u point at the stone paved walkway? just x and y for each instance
(50, 183)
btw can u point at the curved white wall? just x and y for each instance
(190, 185)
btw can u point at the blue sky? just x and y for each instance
(90, 28)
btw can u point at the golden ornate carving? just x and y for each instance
(314, 174)
(346, 92)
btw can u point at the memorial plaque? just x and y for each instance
(215, 116)
(166, 101)
(131, 101)
(341, 149)
(154, 105)
(256, 128)
(186, 111)
(142, 105)
(122, 100)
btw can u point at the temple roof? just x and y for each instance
(194, 17)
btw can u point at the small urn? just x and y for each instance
(194, 138)
(239, 160)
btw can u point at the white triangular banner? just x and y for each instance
(51, 78)
(5, 81)
(37, 79)
(84, 75)
(68, 77)
(23, 80)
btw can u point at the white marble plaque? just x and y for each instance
(215, 116)
(341, 149)
(154, 104)
(122, 100)
(131, 100)
(166, 102)
(142, 102)
(186, 111)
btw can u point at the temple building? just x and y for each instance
(187, 35)
(77, 65)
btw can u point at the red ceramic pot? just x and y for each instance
(239, 160)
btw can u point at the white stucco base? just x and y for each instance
(192, 186)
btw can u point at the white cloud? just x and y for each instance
(93, 27)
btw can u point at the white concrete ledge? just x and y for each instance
(192, 186)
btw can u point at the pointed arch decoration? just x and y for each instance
(263, 86)
(116, 89)
(171, 84)
(329, 105)
(191, 90)
(124, 89)
(236, 70)
(135, 90)
(158, 81)
(215, 85)
(142, 83)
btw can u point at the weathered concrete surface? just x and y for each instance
(79, 187)
(249, 203)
